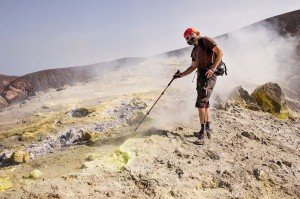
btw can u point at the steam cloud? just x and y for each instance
(253, 55)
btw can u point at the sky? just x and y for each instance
(41, 34)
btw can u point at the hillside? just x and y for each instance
(285, 24)
(71, 135)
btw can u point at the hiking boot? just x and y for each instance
(199, 142)
(201, 134)
(208, 130)
(208, 133)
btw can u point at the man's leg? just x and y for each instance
(207, 118)
(202, 115)
(207, 124)
(210, 85)
(204, 87)
(207, 115)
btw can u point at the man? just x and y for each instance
(205, 61)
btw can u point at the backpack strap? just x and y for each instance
(225, 68)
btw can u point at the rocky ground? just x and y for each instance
(67, 146)
(246, 158)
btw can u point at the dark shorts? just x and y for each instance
(204, 88)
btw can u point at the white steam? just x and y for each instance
(253, 55)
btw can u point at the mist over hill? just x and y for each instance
(286, 25)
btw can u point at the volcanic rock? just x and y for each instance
(287, 163)
(242, 97)
(271, 99)
(85, 136)
(80, 112)
(213, 155)
(260, 174)
(135, 118)
(36, 174)
(19, 156)
(249, 135)
(16, 90)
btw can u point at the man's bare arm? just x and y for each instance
(189, 69)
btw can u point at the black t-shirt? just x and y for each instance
(203, 55)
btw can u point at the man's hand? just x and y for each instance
(177, 75)
(187, 71)
(209, 73)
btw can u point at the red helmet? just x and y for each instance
(189, 31)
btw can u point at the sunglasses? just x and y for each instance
(188, 38)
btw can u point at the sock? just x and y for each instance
(207, 125)
(202, 127)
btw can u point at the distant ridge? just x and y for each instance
(13, 89)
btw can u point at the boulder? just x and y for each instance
(70, 137)
(26, 157)
(179, 172)
(80, 112)
(287, 163)
(2, 157)
(241, 97)
(86, 136)
(271, 99)
(213, 155)
(16, 90)
(91, 158)
(109, 194)
(249, 135)
(135, 118)
(36, 174)
(260, 174)
(19, 156)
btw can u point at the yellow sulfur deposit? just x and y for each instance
(5, 184)
(271, 99)
(269, 105)
(124, 156)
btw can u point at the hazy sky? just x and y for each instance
(42, 34)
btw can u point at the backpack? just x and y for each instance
(221, 68)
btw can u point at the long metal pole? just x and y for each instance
(156, 102)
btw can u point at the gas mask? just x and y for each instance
(191, 41)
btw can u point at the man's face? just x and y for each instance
(190, 39)
(189, 36)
